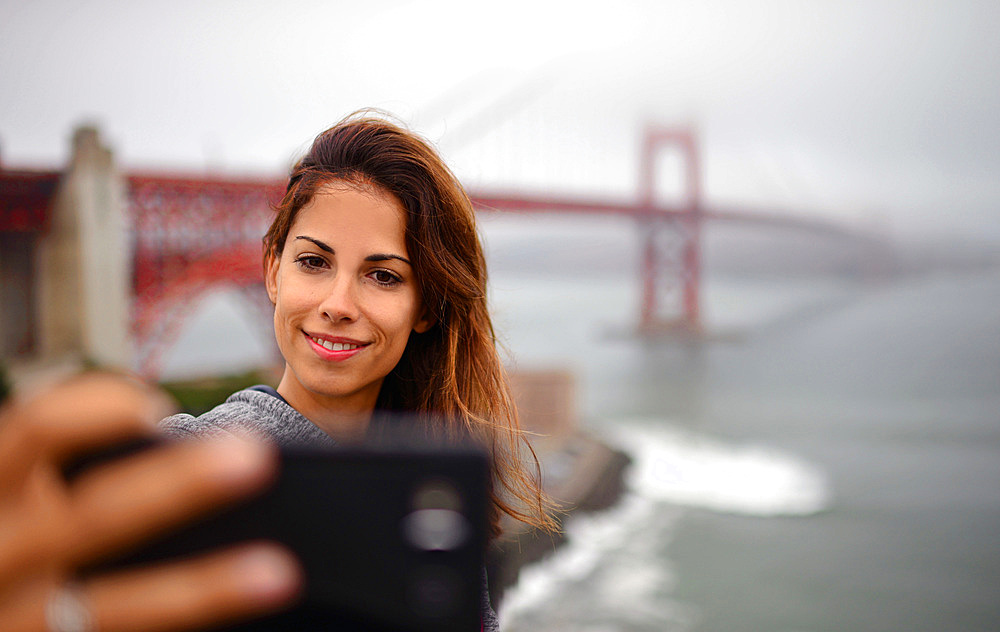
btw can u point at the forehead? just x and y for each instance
(353, 214)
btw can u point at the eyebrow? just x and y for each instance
(374, 257)
(386, 257)
(322, 245)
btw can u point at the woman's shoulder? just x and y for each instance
(257, 411)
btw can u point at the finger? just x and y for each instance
(22, 606)
(127, 501)
(83, 413)
(250, 580)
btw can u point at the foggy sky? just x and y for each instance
(879, 113)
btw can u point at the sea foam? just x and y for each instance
(683, 467)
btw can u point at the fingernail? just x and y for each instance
(268, 572)
(236, 461)
(159, 406)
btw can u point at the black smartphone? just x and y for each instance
(391, 536)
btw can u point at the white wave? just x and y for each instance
(604, 577)
(686, 468)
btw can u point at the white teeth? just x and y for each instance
(335, 346)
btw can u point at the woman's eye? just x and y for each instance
(384, 277)
(310, 262)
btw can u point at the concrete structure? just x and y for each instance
(83, 263)
(546, 401)
(64, 262)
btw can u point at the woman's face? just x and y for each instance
(345, 298)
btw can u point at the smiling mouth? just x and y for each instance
(335, 346)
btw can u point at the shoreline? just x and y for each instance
(582, 474)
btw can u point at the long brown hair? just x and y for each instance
(453, 370)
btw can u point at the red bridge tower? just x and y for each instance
(671, 263)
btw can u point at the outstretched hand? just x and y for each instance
(49, 527)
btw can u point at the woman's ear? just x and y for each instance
(271, 263)
(427, 320)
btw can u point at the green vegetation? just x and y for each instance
(198, 396)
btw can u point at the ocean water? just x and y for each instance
(833, 466)
(828, 459)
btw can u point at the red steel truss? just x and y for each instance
(191, 236)
(26, 199)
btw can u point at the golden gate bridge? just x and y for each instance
(191, 235)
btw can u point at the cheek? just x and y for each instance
(294, 296)
(288, 308)
(400, 316)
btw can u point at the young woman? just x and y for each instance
(378, 281)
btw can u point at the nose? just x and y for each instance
(340, 302)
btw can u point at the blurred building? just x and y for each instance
(64, 264)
